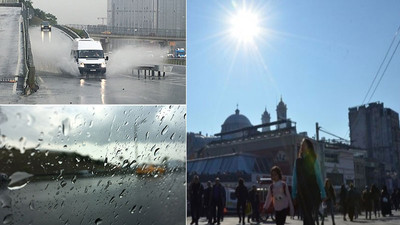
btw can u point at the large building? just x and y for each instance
(249, 151)
(147, 14)
(376, 129)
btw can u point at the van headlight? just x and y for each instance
(103, 65)
(81, 64)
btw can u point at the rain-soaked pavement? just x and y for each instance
(388, 220)
(97, 200)
(60, 83)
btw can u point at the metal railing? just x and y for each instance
(9, 1)
(130, 31)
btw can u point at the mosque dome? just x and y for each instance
(235, 121)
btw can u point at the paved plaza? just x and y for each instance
(388, 220)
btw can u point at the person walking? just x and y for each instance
(207, 202)
(351, 202)
(385, 202)
(308, 188)
(342, 201)
(241, 193)
(195, 195)
(367, 202)
(279, 196)
(330, 199)
(254, 200)
(376, 196)
(218, 201)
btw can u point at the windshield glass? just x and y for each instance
(91, 54)
(92, 164)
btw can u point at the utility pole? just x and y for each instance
(317, 131)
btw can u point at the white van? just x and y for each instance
(89, 56)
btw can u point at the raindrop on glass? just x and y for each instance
(31, 205)
(98, 221)
(65, 127)
(8, 219)
(63, 183)
(122, 194)
(156, 151)
(164, 130)
(133, 209)
(73, 179)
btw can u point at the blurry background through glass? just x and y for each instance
(92, 164)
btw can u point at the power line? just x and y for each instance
(384, 72)
(380, 67)
(377, 73)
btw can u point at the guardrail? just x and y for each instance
(70, 33)
(29, 68)
(131, 31)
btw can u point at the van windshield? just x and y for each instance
(90, 54)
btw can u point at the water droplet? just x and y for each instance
(60, 162)
(164, 130)
(122, 193)
(65, 127)
(63, 183)
(105, 161)
(98, 221)
(8, 219)
(46, 153)
(156, 151)
(5, 201)
(147, 135)
(140, 209)
(111, 200)
(31, 205)
(133, 209)
(73, 179)
(172, 136)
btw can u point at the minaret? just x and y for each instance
(281, 110)
(265, 118)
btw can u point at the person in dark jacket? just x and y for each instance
(330, 199)
(241, 195)
(351, 202)
(385, 202)
(308, 188)
(254, 199)
(195, 195)
(376, 196)
(367, 202)
(218, 201)
(342, 201)
(207, 202)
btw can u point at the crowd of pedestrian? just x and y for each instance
(313, 199)
(371, 200)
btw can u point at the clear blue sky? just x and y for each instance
(320, 56)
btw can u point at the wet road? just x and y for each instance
(115, 89)
(60, 83)
(102, 200)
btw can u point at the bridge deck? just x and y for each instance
(10, 41)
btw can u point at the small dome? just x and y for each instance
(235, 121)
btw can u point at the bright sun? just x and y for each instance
(245, 25)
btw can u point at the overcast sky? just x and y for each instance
(97, 131)
(74, 11)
